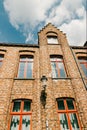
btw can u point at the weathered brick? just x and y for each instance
(12, 88)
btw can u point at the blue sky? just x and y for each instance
(20, 20)
(7, 32)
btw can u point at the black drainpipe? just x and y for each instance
(78, 68)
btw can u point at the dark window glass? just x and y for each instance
(27, 106)
(16, 107)
(70, 104)
(61, 105)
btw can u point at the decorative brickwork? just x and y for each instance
(73, 86)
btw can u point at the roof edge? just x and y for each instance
(19, 45)
(78, 47)
(45, 26)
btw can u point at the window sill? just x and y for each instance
(61, 78)
(53, 44)
(24, 79)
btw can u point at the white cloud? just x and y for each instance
(29, 37)
(81, 12)
(70, 17)
(75, 31)
(66, 12)
(27, 15)
(27, 11)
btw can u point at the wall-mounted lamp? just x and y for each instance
(43, 92)
(44, 81)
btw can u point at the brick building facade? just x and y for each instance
(24, 103)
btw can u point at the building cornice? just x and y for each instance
(19, 45)
(78, 47)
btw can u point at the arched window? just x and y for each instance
(25, 66)
(83, 63)
(52, 39)
(1, 59)
(67, 113)
(57, 65)
(21, 115)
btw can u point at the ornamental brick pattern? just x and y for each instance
(73, 86)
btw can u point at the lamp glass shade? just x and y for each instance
(44, 80)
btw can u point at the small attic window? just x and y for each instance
(52, 39)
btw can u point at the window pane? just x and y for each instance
(58, 70)
(14, 123)
(1, 59)
(84, 68)
(30, 59)
(83, 63)
(61, 68)
(16, 107)
(63, 122)
(70, 103)
(21, 70)
(54, 70)
(27, 105)
(52, 39)
(23, 58)
(0, 63)
(29, 70)
(26, 122)
(74, 121)
(61, 105)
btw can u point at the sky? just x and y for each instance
(21, 20)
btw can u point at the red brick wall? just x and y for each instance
(12, 88)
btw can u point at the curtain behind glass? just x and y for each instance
(74, 121)
(63, 122)
(14, 123)
(26, 122)
(54, 70)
